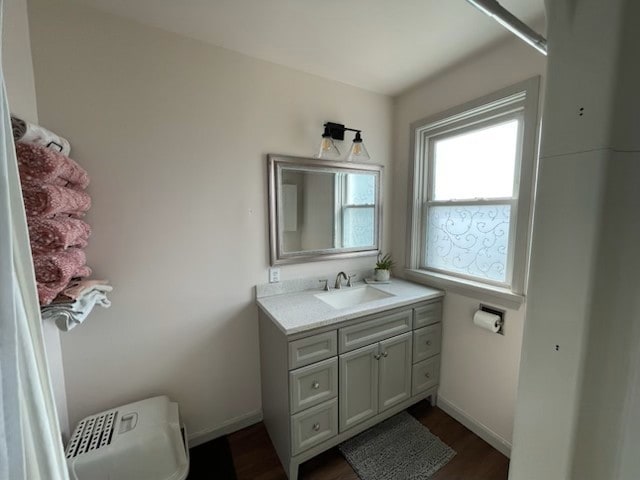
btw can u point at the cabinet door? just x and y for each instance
(395, 370)
(358, 392)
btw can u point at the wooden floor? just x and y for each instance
(255, 459)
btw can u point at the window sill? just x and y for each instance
(502, 296)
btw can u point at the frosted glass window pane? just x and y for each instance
(471, 240)
(361, 189)
(477, 164)
(358, 227)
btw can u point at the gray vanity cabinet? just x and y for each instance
(327, 384)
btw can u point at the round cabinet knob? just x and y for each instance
(377, 356)
(428, 343)
(315, 385)
(428, 375)
(385, 354)
(316, 426)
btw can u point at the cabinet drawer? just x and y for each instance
(314, 426)
(313, 384)
(426, 342)
(423, 316)
(371, 331)
(312, 349)
(426, 374)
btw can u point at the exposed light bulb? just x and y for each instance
(328, 149)
(358, 150)
(326, 144)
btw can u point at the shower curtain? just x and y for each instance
(30, 439)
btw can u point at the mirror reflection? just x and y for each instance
(324, 208)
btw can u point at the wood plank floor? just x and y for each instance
(255, 459)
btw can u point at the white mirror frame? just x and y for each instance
(278, 255)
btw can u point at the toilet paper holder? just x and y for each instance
(495, 311)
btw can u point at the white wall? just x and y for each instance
(608, 401)
(17, 63)
(577, 412)
(479, 370)
(175, 134)
(18, 72)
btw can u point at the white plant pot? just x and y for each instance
(382, 275)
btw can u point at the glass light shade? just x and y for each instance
(358, 151)
(328, 149)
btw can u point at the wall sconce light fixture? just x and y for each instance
(335, 131)
(328, 149)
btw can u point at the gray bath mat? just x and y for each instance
(398, 448)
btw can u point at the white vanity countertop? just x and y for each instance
(301, 311)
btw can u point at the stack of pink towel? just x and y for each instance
(46, 201)
(52, 234)
(52, 187)
(39, 164)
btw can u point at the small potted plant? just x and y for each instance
(383, 267)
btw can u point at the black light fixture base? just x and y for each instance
(336, 130)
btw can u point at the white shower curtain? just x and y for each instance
(30, 439)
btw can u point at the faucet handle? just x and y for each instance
(326, 287)
(349, 282)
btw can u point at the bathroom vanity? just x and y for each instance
(335, 363)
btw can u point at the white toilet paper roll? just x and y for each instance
(486, 320)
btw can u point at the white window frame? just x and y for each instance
(518, 101)
(341, 186)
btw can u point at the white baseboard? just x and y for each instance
(484, 432)
(230, 426)
(251, 418)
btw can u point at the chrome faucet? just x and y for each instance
(338, 277)
(327, 287)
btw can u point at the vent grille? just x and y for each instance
(92, 433)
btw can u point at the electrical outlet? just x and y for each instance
(274, 275)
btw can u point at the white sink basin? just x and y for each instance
(352, 296)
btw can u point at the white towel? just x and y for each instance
(68, 315)
(29, 133)
(77, 288)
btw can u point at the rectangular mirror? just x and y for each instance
(319, 210)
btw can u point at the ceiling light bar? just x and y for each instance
(512, 23)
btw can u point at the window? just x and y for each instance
(356, 209)
(472, 187)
